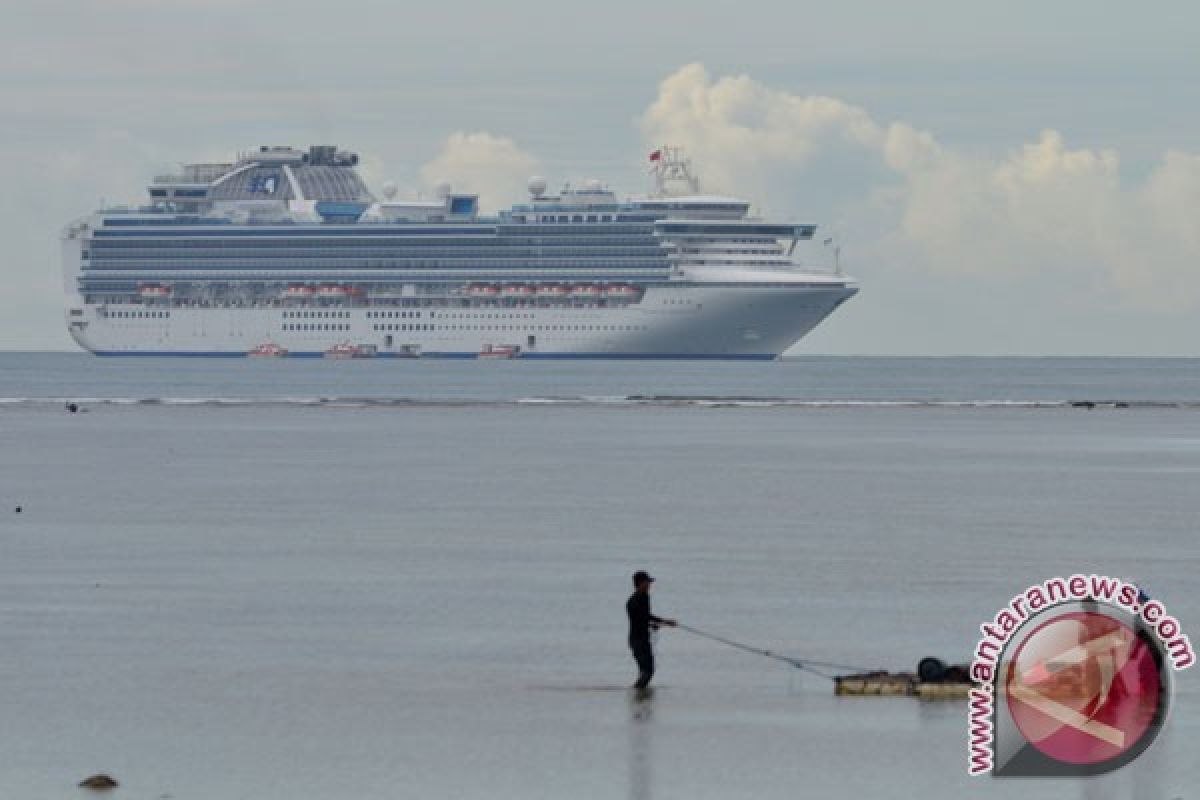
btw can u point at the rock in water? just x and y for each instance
(99, 783)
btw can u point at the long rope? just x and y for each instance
(809, 665)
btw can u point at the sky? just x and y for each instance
(1018, 178)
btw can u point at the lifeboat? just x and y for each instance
(517, 291)
(299, 291)
(342, 350)
(267, 350)
(346, 350)
(548, 290)
(500, 351)
(585, 291)
(621, 291)
(331, 291)
(154, 291)
(483, 290)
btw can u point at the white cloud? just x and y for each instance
(1044, 209)
(492, 166)
(740, 130)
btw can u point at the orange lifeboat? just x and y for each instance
(500, 351)
(483, 290)
(346, 350)
(267, 350)
(621, 291)
(154, 291)
(585, 291)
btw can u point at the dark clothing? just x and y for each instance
(640, 618)
(643, 654)
(640, 623)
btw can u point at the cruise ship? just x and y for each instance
(286, 252)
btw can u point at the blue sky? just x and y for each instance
(1018, 178)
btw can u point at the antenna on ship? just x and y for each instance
(837, 255)
(670, 167)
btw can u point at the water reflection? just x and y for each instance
(641, 741)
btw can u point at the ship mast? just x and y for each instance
(672, 172)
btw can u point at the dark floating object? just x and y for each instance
(932, 680)
(18, 509)
(930, 669)
(73, 407)
(100, 783)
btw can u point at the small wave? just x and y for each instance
(634, 400)
(84, 402)
(716, 401)
(577, 400)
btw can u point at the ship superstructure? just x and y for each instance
(289, 248)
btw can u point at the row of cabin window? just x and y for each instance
(547, 327)
(543, 261)
(647, 246)
(576, 218)
(429, 327)
(392, 314)
(561, 218)
(486, 316)
(317, 326)
(311, 314)
(637, 238)
(138, 314)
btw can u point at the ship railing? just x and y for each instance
(178, 179)
(196, 174)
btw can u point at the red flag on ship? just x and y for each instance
(656, 155)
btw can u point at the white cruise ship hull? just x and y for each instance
(699, 320)
(286, 252)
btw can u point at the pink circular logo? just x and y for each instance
(1084, 688)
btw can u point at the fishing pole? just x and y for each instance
(809, 665)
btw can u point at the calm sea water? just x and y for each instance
(849, 380)
(306, 579)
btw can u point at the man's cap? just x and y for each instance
(641, 576)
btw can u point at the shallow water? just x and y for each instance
(364, 600)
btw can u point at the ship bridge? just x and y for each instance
(727, 247)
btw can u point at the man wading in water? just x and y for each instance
(641, 621)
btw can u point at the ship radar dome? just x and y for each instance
(389, 190)
(537, 186)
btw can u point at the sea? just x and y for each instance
(297, 578)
